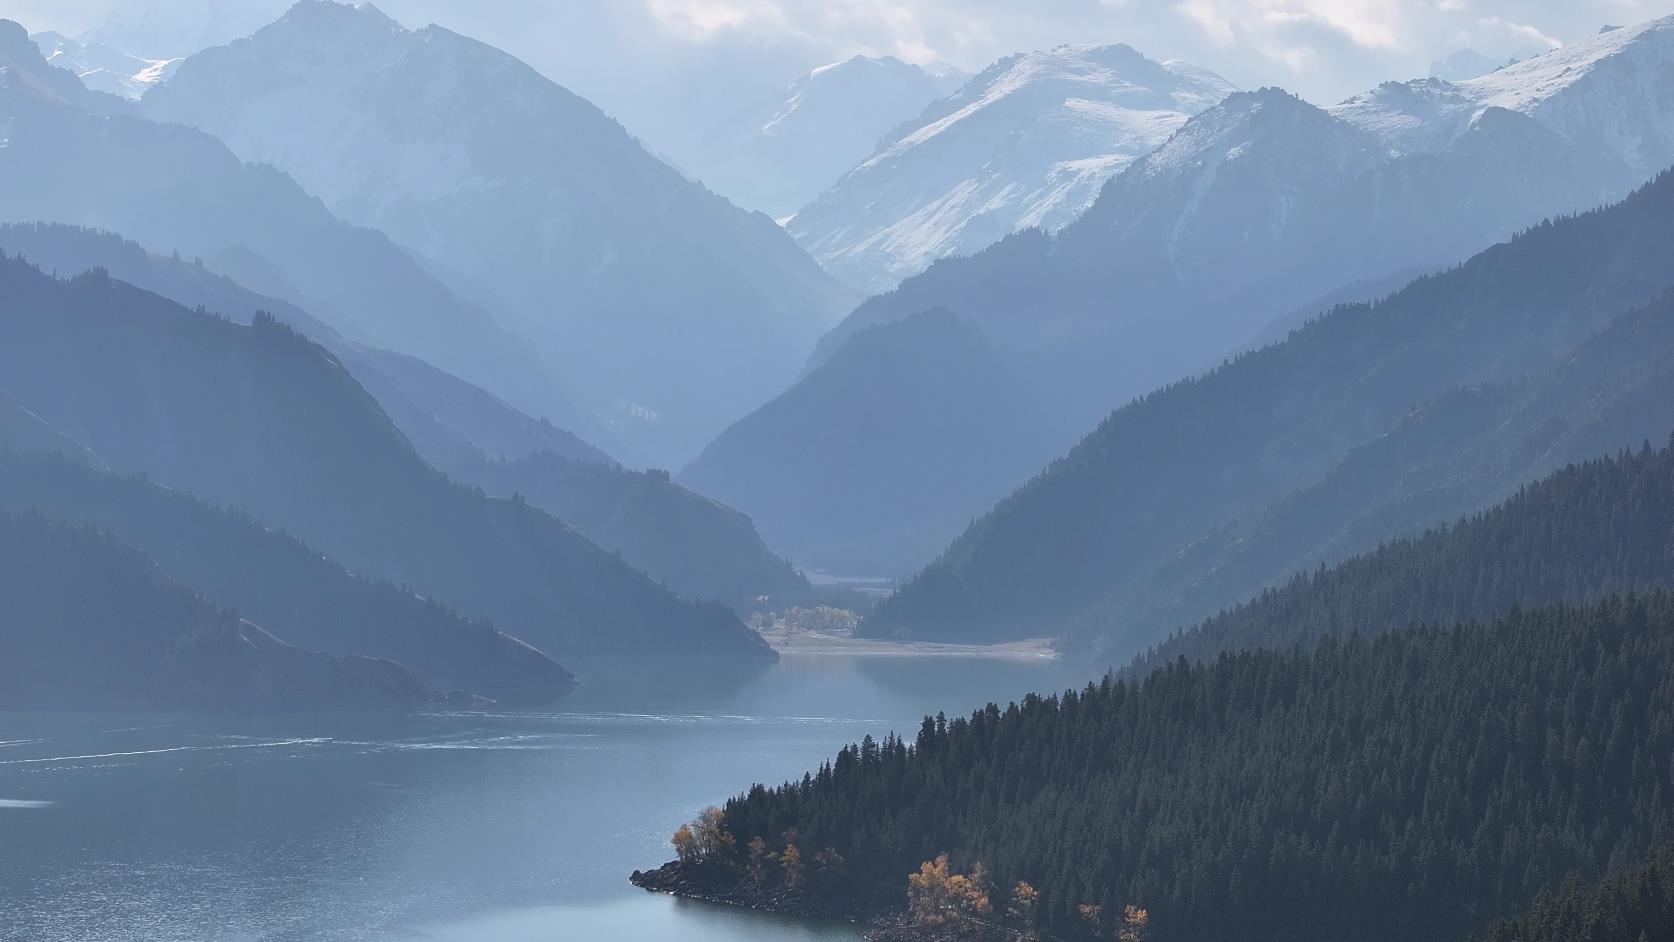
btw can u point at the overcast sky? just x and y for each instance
(627, 49)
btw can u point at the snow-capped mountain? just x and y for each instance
(780, 155)
(103, 68)
(1265, 203)
(1611, 92)
(1027, 143)
(653, 293)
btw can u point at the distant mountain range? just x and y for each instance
(1158, 475)
(1027, 143)
(81, 157)
(261, 419)
(696, 546)
(674, 309)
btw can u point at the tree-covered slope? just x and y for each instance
(262, 420)
(880, 455)
(1420, 784)
(1597, 528)
(89, 623)
(1172, 466)
(1631, 904)
(278, 582)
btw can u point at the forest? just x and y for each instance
(1419, 784)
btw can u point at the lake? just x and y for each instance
(480, 826)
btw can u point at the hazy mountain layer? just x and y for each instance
(92, 624)
(262, 420)
(657, 296)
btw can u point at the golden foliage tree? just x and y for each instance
(1136, 921)
(685, 845)
(927, 893)
(1021, 909)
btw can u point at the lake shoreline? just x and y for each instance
(814, 644)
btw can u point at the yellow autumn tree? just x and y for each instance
(1136, 922)
(714, 841)
(790, 867)
(927, 893)
(685, 845)
(759, 857)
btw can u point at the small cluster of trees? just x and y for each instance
(708, 840)
(942, 900)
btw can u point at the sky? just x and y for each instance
(651, 60)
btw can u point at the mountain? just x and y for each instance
(1455, 455)
(880, 455)
(696, 546)
(1417, 785)
(92, 624)
(80, 157)
(777, 157)
(663, 299)
(447, 419)
(277, 581)
(102, 68)
(1588, 531)
(178, 28)
(692, 544)
(1027, 143)
(262, 420)
(1165, 470)
(1263, 204)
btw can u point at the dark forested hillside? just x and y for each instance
(696, 546)
(1421, 784)
(262, 420)
(1631, 904)
(1172, 466)
(280, 583)
(1601, 527)
(89, 623)
(883, 453)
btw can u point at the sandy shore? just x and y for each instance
(814, 643)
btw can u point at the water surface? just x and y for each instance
(481, 826)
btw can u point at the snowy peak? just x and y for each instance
(102, 68)
(1610, 89)
(1027, 143)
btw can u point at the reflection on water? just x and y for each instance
(481, 826)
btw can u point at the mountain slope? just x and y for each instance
(1028, 142)
(76, 157)
(1168, 468)
(777, 157)
(282, 584)
(1586, 532)
(446, 418)
(642, 285)
(102, 68)
(883, 453)
(92, 624)
(262, 420)
(1456, 455)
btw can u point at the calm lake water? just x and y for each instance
(487, 827)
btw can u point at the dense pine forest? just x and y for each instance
(1632, 904)
(1591, 529)
(1420, 784)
